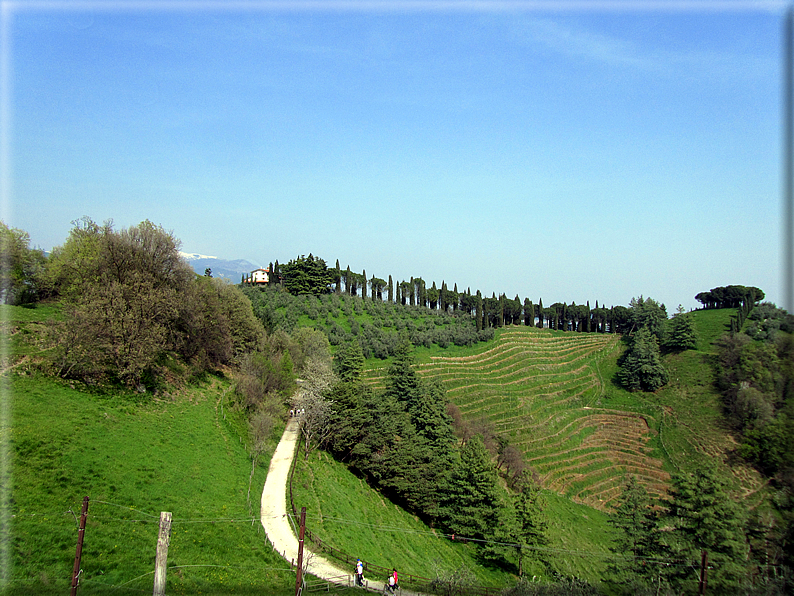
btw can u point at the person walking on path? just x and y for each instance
(359, 573)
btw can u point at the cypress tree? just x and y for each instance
(587, 317)
(478, 310)
(391, 290)
(540, 314)
(338, 279)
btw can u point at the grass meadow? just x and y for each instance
(134, 457)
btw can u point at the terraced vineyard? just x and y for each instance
(542, 389)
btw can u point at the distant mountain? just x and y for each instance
(231, 270)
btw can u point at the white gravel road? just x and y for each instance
(276, 521)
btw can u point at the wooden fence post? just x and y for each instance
(79, 552)
(161, 559)
(299, 576)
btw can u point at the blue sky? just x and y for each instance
(599, 152)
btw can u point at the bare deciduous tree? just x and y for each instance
(314, 407)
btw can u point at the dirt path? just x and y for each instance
(276, 521)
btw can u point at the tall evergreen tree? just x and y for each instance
(473, 501)
(706, 517)
(531, 522)
(680, 333)
(641, 366)
(637, 543)
(529, 312)
(391, 290)
(349, 362)
(478, 311)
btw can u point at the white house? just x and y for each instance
(258, 276)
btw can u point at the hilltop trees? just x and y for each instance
(730, 297)
(308, 275)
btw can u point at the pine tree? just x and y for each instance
(680, 334)
(706, 517)
(637, 543)
(349, 362)
(473, 501)
(641, 365)
(531, 522)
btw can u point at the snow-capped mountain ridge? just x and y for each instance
(231, 269)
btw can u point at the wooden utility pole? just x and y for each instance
(163, 539)
(704, 560)
(299, 576)
(79, 553)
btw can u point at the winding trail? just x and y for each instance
(275, 516)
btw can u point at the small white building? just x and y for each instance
(258, 276)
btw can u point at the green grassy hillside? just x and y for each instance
(134, 459)
(552, 393)
(133, 456)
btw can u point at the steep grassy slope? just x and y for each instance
(345, 513)
(134, 456)
(134, 460)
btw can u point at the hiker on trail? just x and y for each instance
(393, 582)
(394, 577)
(359, 573)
